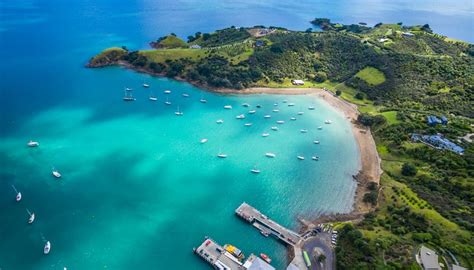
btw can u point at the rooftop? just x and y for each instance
(429, 259)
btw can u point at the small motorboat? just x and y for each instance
(259, 106)
(152, 98)
(246, 105)
(247, 124)
(265, 258)
(47, 248)
(303, 130)
(220, 155)
(274, 128)
(146, 85)
(275, 104)
(265, 134)
(255, 170)
(270, 155)
(128, 89)
(18, 197)
(320, 127)
(33, 144)
(311, 108)
(265, 233)
(56, 173)
(202, 100)
(185, 95)
(267, 116)
(291, 104)
(293, 118)
(276, 110)
(32, 218)
(315, 158)
(316, 142)
(280, 122)
(228, 107)
(327, 122)
(167, 102)
(240, 116)
(204, 140)
(252, 111)
(285, 101)
(220, 121)
(167, 91)
(300, 113)
(300, 157)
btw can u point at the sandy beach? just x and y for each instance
(370, 170)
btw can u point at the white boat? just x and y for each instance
(265, 134)
(255, 170)
(245, 104)
(152, 98)
(276, 110)
(18, 197)
(311, 108)
(202, 100)
(204, 140)
(167, 102)
(146, 85)
(267, 116)
(247, 124)
(300, 157)
(227, 107)
(280, 122)
(33, 144)
(320, 127)
(327, 122)
(270, 155)
(178, 112)
(300, 113)
(274, 128)
(316, 142)
(291, 104)
(167, 91)
(128, 89)
(293, 118)
(220, 155)
(32, 218)
(47, 247)
(240, 116)
(56, 173)
(315, 158)
(185, 95)
(275, 104)
(252, 111)
(128, 95)
(220, 121)
(303, 130)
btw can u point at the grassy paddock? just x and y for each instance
(371, 76)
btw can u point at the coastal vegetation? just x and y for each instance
(397, 75)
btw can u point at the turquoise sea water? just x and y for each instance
(138, 190)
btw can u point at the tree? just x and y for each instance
(338, 92)
(409, 169)
(321, 258)
(359, 95)
(320, 76)
(309, 30)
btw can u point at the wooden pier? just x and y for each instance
(267, 226)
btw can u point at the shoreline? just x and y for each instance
(369, 166)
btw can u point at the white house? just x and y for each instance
(297, 82)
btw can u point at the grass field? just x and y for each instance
(371, 75)
(391, 117)
(171, 42)
(160, 56)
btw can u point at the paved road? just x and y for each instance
(317, 245)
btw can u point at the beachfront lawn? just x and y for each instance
(160, 56)
(391, 117)
(371, 76)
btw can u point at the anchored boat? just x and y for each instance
(47, 247)
(33, 144)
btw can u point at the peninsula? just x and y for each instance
(409, 93)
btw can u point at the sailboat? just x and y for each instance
(221, 155)
(47, 248)
(203, 100)
(240, 116)
(31, 219)
(220, 121)
(300, 157)
(311, 108)
(128, 95)
(167, 102)
(228, 107)
(274, 128)
(18, 194)
(185, 95)
(167, 91)
(33, 143)
(252, 111)
(179, 113)
(56, 173)
(270, 155)
(265, 134)
(327, 122)
(303, 130)
(247, 124)
(255, 170)
(152, 97)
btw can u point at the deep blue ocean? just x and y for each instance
(138, 189)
